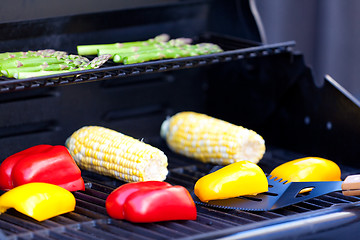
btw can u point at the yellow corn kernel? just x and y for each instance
(114, 154)
(211, 140)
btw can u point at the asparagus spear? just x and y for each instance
(202, 48)
(28, 62)
(23, 75)
(71, 62)
(43, 53)
(133, 49)
(95, 63)
(45, 58)
(148, 56)
(153, 47)
(186, 50)
(92, 49)
(10, 72)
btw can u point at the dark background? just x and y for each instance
(326, 31)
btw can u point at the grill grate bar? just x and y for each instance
(93, 208)
(91, 213)
(90, 198)
(217, 215)
(101, 232)
(36, 236)
(78, 215)
(309, 206)
(10, 222)
(320, 203)
(78, 234)
(140, 229)
(214, 222)
(63, 220)
(344, 198)
(291, 210)
(174, 229)
(333, 200)
(59, 236)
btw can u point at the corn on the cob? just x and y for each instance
(114, 154)
(211, 140)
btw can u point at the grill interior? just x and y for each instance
(90, 220)
(263, 87)
(52, 125)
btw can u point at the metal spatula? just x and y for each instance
(282, 194)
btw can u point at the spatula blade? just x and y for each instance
(280, 194)
(240, 203)
(260, 202)
(291, 195)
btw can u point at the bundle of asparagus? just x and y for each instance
(93, 49)
(160, 47)
(45, 62)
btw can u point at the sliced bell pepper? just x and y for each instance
(41, 163)
(237, 179)
(150, 201)
(40, 201)
(308, 169)
(116, 200)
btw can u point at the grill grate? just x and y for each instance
(234, 49)
(90, 221)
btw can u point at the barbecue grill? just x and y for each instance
(265, 87)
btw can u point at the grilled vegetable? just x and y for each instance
(93, 49)
(126, 51)
(41, 163)
(309, 169)
(153, 49)
(133, 49)
(166, 53)
(42, 60)
(114, 154)
(12, 72)
(29, 54)
(50, 70)
(30, 61)
(237, 179)
(45, 62)
(211, 140)
(116, 200)
(151, 202)
(40, 201)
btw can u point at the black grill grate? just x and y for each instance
(90, 220)
(234, 49)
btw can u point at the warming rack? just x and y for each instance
(111, 71)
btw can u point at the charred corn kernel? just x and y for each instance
(237, 179)
(40, 201)
(114, 154)
(211, 140)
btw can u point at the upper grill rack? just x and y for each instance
(110, 71)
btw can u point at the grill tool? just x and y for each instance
(282, 193)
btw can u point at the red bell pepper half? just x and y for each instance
(41, 163)
(150, 201)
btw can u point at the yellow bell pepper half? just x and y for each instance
(308, 169)
(40, 201)
(237, 179)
